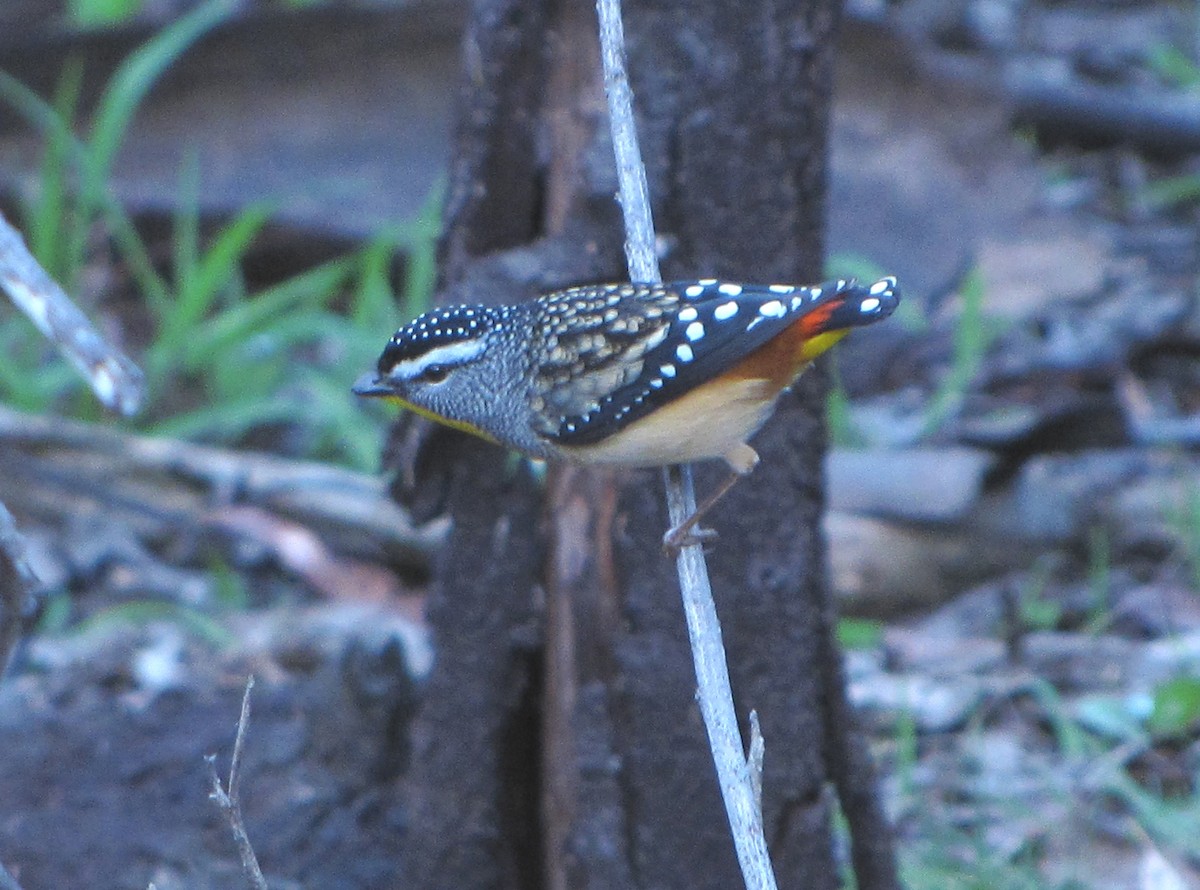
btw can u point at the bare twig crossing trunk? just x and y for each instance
(740, 778)
(560, 744)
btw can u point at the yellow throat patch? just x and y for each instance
(462, 425)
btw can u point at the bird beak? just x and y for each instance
(369, 384)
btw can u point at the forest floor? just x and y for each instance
(1014, 525)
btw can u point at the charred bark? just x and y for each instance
(561, 746)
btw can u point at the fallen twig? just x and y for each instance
(704, 628)
(1069, 109)
(114, 378)
(227, 799)
(55, 468)
(16, 581)
(7, 881)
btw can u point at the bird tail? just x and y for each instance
(849, 305)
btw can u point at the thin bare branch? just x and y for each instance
(7, 881)
(634, 193)
(17, 583)
(704, 628)
(114, 378)
(754, 760)
(228, 800)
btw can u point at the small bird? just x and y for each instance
(633, 375)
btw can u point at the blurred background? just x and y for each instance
(246, 197)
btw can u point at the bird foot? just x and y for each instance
(686, 535)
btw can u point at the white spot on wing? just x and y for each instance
(772, 309)
(684, 352)
(730, 290)
(707, 282)
(870, 304)
(694, 290)
(782, 288)
(725, 311)
(882, 286)
(688, 313)
(667, 370)
(695, 330)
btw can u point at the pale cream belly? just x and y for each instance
(707, 423)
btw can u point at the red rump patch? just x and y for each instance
(816, 320)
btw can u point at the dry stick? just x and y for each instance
(734, 772)
(7, 881)
(758, 748)
(17, 580)
(229, 802)
(114, 378)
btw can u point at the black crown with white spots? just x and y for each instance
(613, 354)
(439, 327)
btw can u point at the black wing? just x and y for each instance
(708, 328)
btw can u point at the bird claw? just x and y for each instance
(681, 536)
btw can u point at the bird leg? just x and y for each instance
(742, 460)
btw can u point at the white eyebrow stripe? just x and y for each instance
(449, 354)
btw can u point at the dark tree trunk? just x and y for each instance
(559, 744)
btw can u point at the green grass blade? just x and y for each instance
(134, 79)
(420, 279)
(124, 94)
(95, 13)
(41, 116)
(1173, 66)
(240, 322)
(200, 290)
(350, 435)
(185, 235)
(229, 421)
(224, 256)
(142, 612)
(48, 220)
(972, 336)
(1168, 193)
(373, 298)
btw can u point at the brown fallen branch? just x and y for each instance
(1069, 110)
(53, 469)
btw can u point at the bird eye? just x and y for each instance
(435, 374)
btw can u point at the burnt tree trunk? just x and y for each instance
(559, 745)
